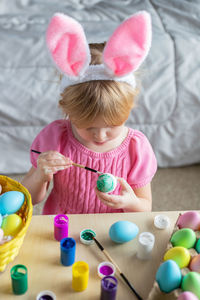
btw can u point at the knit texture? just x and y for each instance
(73, 188)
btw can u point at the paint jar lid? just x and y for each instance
(86, 236)
(109, 283)
(61, 220)
(46, 295)
(106, 268)
(161, 221)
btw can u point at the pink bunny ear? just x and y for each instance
(129, 44)
(67, 44)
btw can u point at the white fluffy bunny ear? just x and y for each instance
(68, 46)
(129, 44)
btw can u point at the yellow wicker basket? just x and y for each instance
(9, 250)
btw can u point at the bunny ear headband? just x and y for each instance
(124, 52)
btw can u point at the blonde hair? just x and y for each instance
(86, 101)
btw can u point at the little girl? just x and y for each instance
(98, 91)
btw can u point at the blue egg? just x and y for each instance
(1, 220)
(168, 276)
(11, 202)
(123, 231)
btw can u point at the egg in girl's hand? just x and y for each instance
(168, 276)
(106, 183)
(187, 296)
(11, 202)
(12, 224)
(190, 219)
(123, 231)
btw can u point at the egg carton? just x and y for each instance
(156, 293)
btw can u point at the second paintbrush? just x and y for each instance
(75, 164)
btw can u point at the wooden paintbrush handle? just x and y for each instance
(111, 260)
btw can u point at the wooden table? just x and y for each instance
(40, 253)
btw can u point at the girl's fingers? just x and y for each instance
(124, 184)
(53, 163)
(55, 156)
(48, 170)
(108, 198)
(57, 163)
(107, 203)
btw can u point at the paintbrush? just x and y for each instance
(75, 164)
(114, 263)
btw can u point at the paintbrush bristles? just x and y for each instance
(77, 165)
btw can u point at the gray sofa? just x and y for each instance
(168, 109)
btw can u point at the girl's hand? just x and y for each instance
(50, 162)
(125, 200)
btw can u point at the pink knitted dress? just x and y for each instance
(73, 189)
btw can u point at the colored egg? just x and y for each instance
(1, 234)
(195, 263)
(1, 219)
(106, 183)
(197, 246)
(180, 255)
(12, 224)
(123, 231)
(185, 237)
(11, 202)
(190, 219)
(168, 276)
(187, 296)
(191, 282)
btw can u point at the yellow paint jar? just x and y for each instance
(80, 275)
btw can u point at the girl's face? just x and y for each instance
(99, 136)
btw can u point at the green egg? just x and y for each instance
(191, 282)
(106, 183)
(185, 237)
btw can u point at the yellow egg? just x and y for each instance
(180, 255)
(12, 224)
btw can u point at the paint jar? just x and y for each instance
(108, 288)
(145, 246)
(80, 275)
(61, 227)
(105, 268)
(19, 279)
(161, 221)
(46, 295)
(86, 236)
(67, 251)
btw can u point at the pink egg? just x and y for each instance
(187, 296)
(195, 264)
(190, 219)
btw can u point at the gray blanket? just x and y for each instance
(168, 109)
